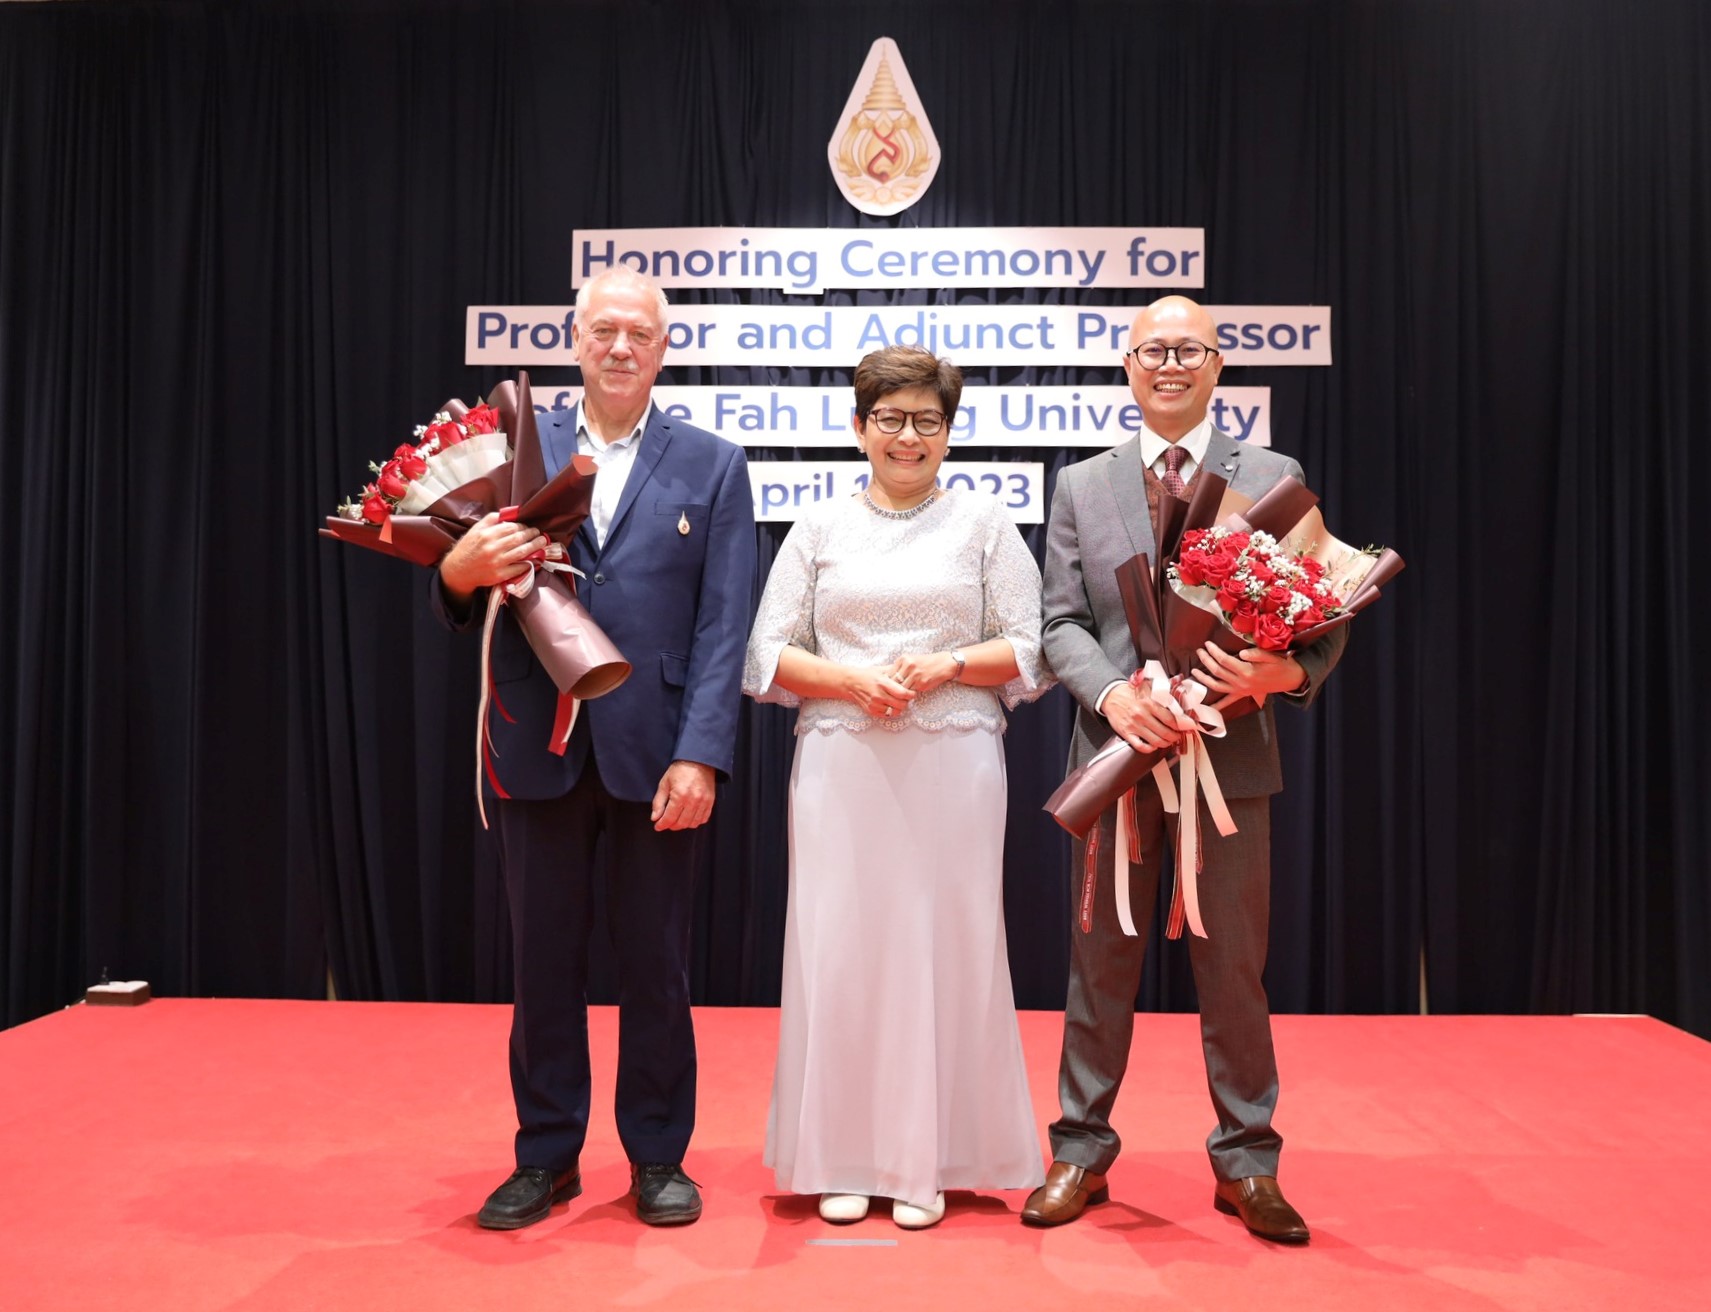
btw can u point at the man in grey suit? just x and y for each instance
(1102, 515)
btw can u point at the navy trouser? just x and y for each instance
(548, 855)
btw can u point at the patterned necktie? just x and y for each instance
(1174, 458)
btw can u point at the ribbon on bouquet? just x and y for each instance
(1196, 720)
(551, 560)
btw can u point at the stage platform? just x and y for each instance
(193, 1155)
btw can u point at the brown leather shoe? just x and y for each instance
(1262, 1207)
(1064, 1196)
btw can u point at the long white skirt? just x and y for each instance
(899, 1061)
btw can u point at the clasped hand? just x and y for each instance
(887, 689)
(877, 690)
(1253, 672)
(921, 672)
(491, 552)
(1140, 719)
(1150, 725)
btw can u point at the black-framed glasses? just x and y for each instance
(890, 421)
(1152, 355)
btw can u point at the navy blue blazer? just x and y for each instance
(678, 605)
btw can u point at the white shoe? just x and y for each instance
(911, 1217)
(841, 1209)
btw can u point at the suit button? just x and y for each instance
(599, 578)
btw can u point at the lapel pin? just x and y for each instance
(683, 523)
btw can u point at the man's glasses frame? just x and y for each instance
(1167, 352)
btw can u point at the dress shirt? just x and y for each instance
(1153, 447)
(1194, 441)
(615, 460)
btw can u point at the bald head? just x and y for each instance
(1173, 398)
(1173, 314)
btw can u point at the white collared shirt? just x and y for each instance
(615, 459)
(1194, 441)
(1153, 447)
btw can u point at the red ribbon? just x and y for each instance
(564, 720)
(1090, 879)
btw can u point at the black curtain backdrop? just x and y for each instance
(236, 244)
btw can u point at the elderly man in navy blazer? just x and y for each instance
(668, 555)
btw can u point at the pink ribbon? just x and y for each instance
(1196, 721)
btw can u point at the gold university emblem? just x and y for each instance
(883, 152)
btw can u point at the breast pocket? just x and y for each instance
(690, 517)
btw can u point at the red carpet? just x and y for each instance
(203, 1154)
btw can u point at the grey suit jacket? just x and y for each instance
(1099, 519)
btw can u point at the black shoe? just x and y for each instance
(527, 1197)
(664, 1194)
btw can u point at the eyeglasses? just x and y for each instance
(890, 422)
(1152, 355)
(640, 338)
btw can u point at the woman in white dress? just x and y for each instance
(899, 620)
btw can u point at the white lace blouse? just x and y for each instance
(861, 588)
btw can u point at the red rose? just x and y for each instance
(482, 419)
(1260, 569)
(1272, 632)
(1219, 566)
(1309, 617)
(391, 482)
(1277, 597)
(1244, 615)
(448, 434)
(1315, 570)
(1191, 568)
(410, 464)
(1237, 542)
(1231, 593)
(374, 507)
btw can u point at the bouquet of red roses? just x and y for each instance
(458, 446)
(1238, 573)
(1262, 590)
(461, 468)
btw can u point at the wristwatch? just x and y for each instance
(961, 664)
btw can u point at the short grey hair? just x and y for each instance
(624, 274)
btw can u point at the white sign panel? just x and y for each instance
(838, 336)
(783, 487)
(1100, 417)
(807, 261)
